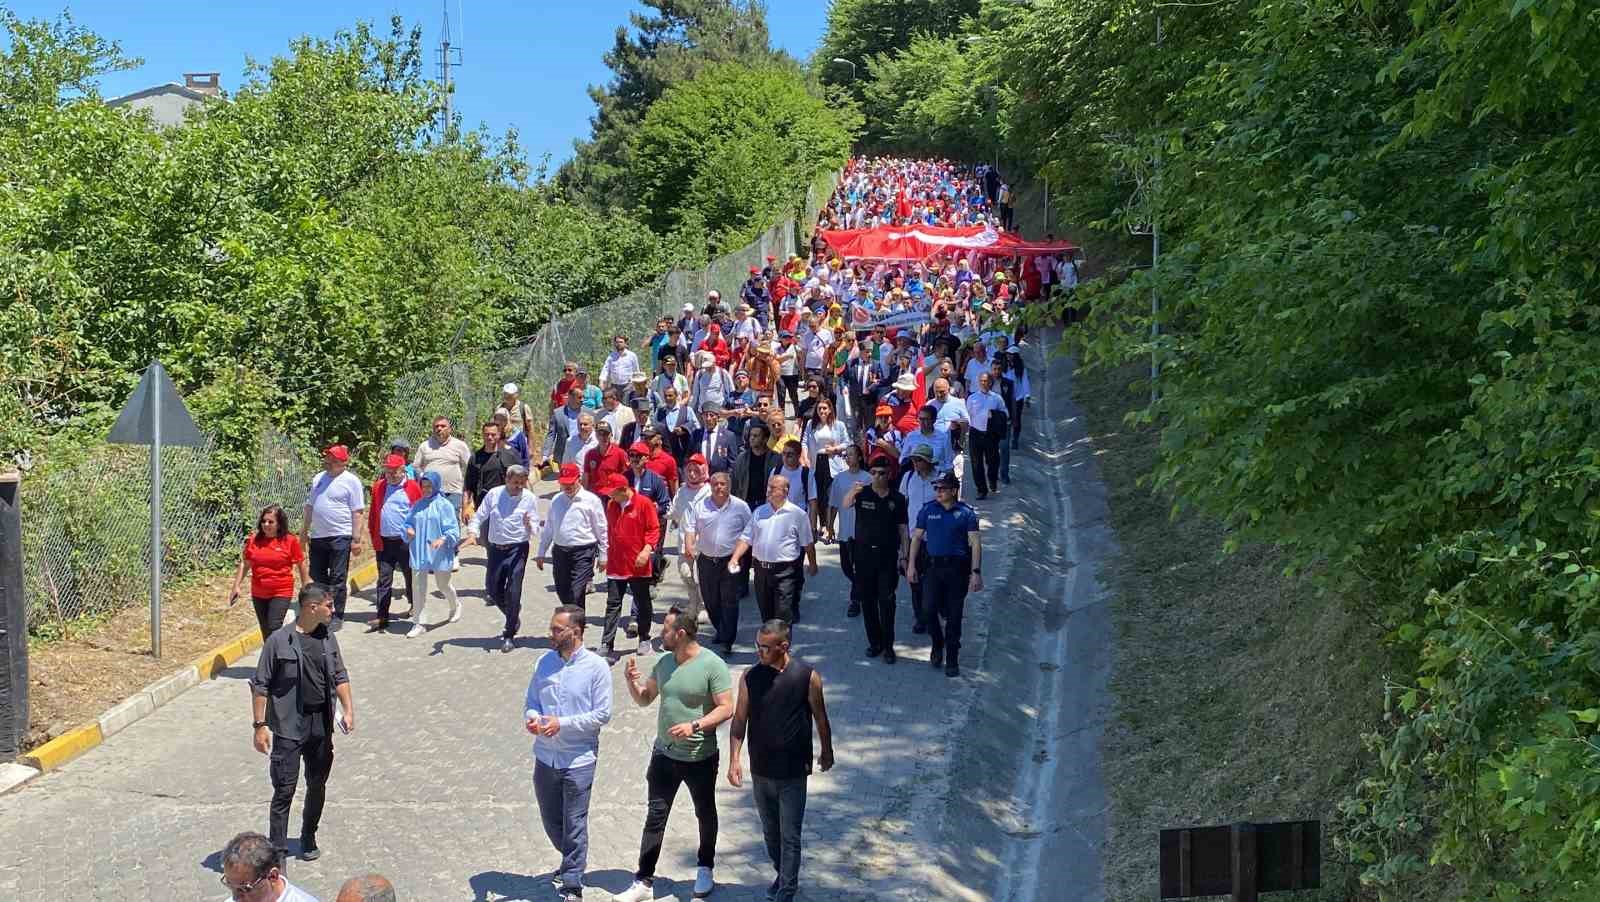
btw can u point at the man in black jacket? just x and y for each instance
(755, 463)
(488, 466)
(300, 675)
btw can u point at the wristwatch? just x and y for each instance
(258, 724)
(696, 724)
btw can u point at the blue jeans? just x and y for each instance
(782, 807)
(1005, 459)
(563, 796)
(455, 501)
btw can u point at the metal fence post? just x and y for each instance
(13, 622)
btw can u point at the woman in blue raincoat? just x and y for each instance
(433, 531)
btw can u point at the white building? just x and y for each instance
(169, 104)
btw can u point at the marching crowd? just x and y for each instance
(835, 402)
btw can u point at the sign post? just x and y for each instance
(155, 415)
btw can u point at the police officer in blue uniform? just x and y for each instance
(955, 557)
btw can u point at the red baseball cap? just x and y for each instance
(393, 460)
(338, 452)
(756, 272)
(697, 458)
(881, 460)
(569, 474)
(883, 410)
(639, 448)
(770, 258)
(613, 483)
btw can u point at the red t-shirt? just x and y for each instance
(272, 565)
(597, 464)
(662, 464)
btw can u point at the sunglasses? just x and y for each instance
(239, 892)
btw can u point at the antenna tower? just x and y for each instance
(447, 56)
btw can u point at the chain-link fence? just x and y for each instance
(87, 526)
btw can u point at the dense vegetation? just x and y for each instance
(290, 252)
(1378, 345)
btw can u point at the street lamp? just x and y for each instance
(840, 59)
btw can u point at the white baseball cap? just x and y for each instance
(510, 388)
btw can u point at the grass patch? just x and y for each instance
(1237, 694)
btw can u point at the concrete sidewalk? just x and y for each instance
(434, 788)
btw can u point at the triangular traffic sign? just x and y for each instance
(136, 424)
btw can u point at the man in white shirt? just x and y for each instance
(778, 534)
(251, 870)
(802, 481)
(576, 526)
(511, 515)
(669, 377)
(559, 437)
(448, 456)
(580, 443)
(850, 477)
(330, 530)
(917, 486)
(928, 434)
(696, 486)
(981, 404)
(620, 365)
(711, 532)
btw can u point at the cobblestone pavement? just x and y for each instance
(434, 788)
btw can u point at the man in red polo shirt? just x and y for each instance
(660, 462)
(605, 459)
(633, 532)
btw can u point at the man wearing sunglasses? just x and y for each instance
(252, 872)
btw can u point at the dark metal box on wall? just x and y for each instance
(1243, 860)
(13, 622)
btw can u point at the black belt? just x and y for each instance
(714, 557)
(963, 560)
(578, 547)
(773, 565)
(511, 547)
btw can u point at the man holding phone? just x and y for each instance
(568, 701)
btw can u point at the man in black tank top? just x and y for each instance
(780, 699)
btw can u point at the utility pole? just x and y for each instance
(445, 62)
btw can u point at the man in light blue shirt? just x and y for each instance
(569, 700)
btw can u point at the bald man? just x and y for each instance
(368, 888)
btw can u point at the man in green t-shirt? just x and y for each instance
(696, 693)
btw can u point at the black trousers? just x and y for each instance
(330, 566)
(269, 613)
(877, 574)
(847, 562)
(284, 769)
(615, 588)
(919, 608)
(719, 591)
(778, 588)
(789, 385)
(394, 554)
(945, 599)
(1016, 426)
(985, 460)
(507, 564)
(574, 570)
(662, 780)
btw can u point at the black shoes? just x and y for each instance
(919, 628)
(936, 658)
(308, 848)
(952, 671)
(873, 651)
(378, 625)
(506, 646)
(727, 650)
(855, 609)
(631, 630)
(982, 495)
(888, 655)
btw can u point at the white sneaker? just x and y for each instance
(644, 647)
(639, 892)
(703, 884)
(455, 612)
(416, 631)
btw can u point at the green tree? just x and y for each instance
(667, 46)
(734, 148)
(858, 30)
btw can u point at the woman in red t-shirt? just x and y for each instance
(272, 557)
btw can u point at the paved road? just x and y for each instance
(434, 788)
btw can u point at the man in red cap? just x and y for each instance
(393, 493)
(717, 345)
(649, 483)
(604, 459)
(330, 530)
(576, 527)
(633, 532)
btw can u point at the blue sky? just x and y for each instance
(526, 64)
